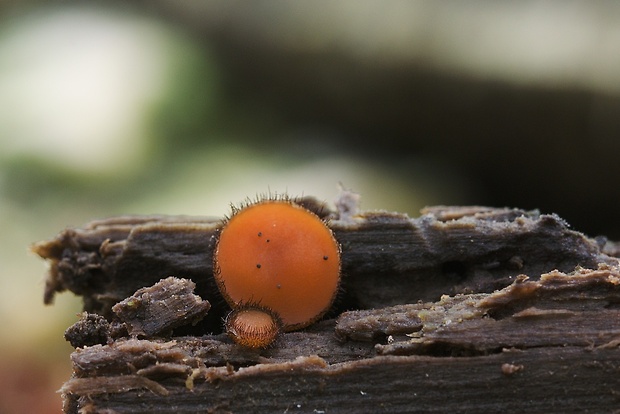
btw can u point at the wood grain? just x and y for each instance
(463, 309)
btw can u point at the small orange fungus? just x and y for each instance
(280, 256)
(253, 327)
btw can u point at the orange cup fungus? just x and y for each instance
(253, 327)
(276, 264)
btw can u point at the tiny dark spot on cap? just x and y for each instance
(325, 257)
(279, 286)
(268, 240)
(260, 233)
(258, 265)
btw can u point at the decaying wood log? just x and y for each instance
(387, 258)
(462, 309)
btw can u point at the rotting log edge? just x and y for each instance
(406, 374)
(445, 251)
(529, 243)
(555, 380)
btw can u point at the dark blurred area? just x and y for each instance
(183, 107)
(373, 81)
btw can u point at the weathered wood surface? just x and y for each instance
(535, 346)
(558, 380)
(158, 309)
(387, 258)
(546, 341)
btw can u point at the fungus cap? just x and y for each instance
(278, 255)
(252, 327)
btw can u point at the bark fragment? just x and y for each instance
(157, 309)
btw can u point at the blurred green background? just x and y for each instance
(183, 107)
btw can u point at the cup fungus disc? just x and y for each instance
(279, 256)
(253, 327)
